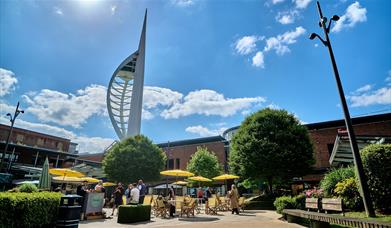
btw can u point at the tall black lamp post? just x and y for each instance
(353, 143)
(12, 120)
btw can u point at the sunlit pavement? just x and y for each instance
(253, 218)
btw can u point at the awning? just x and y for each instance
(342, 152)
(163, 186)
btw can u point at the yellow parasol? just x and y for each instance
(65, 172)
(90, 179)
(225, 177)
(180, 183)
(108, 184)
(177, 173)
(63, 179)
(199, 178)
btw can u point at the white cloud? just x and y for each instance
(363, 89)
(388, 79)
(204, 131)
(277, 1)
(155, 96)
(209, 102)
(58, 10)
(85, 144)
(113, 9)
(281, 42)
(287, 17)
(366, 96)
(353, 15)
(381, 96)
(7, 82)
(246, 44)
(301, 4)
(182, 3)
(258, 60)
(273, 106)
(68, 109)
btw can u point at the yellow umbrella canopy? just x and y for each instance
(64, 179)
(108, 184)
(225, 177)
(65, 172)
(90, 179)
(199, 178)
(177, 173)
(180, 182)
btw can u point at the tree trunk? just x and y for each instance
(270, 183)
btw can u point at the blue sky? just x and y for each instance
(212, 63)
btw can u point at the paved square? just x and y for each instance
(253, 218)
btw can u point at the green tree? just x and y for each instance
(204, 163)
(134, 158)
(271, 145)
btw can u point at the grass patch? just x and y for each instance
(362, 215)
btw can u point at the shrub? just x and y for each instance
(289, 202)
(348, 191)
(28, 187)
(333, 177)
(377, 166)
(38, 209)
(134, 213)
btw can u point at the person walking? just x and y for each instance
(207, 195)
(118, 193)
(233, 195)
(143, 190)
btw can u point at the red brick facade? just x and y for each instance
(34, 139)
(324, 138)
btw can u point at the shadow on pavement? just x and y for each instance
(199, 219)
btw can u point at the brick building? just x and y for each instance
(330, 137)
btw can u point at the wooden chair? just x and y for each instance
(147, 200)
(212, 206)
(161, 209)
(241, 203)
(189, 208)
(222, 202)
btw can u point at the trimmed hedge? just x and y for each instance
(37, 209)
(377, 166)
(289, 202)
(134, 213)
(29, 188)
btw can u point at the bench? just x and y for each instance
(322, 220)
(312, 203)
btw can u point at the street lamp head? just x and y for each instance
(313, 36)
(8, 114)
(22, 111)
(335, 18)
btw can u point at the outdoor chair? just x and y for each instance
(212, 207)
(179, 200)
(222, 204)
(241, 203)
(147, 200)
(188, 208)
(161, 209)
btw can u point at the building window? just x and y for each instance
(330, 147)
(171, 164)
(178, 163)
(40, 142)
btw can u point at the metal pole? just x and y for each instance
(11, 160)
(353, 143)
(9, 136)
(36, 159)
(58, 157)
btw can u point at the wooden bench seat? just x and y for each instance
(322, 220)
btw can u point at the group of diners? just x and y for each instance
(134, 194)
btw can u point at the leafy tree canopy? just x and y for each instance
(134, 158)
(204, 163)
(271, 144)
